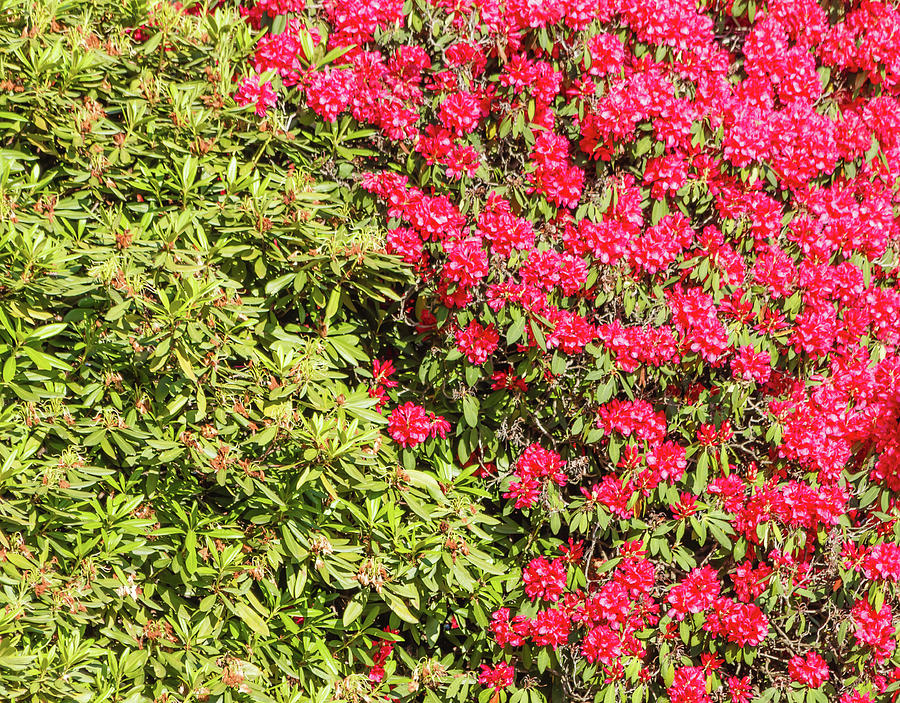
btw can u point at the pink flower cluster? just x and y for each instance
(477, 342)
(252, 92)
(535, 467)
(409, 424)
(810, 670)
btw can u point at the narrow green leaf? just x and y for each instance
(252, 618)
(9, 369)
(353, 610)
(46, 331)
(538, 335)
(399, 607)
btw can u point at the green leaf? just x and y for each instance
(538, 335)
(279, 24)
(44, 361)
(9, 369)
(252, 618)
(429, 483)
(720, 535)
(46, 331)
(278, 284)
(470, 410)
(515, 331)
(334, 54)
(334, 302)
(293, 547)
(185, 365)
(399, 607)
(353, 610)
(201, 402)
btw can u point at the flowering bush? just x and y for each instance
(572, 374)
(657, 305)
(198, 497)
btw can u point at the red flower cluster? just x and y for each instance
(409, 425)
(810, 670)
(477, 342)
(500, 676)
(545, 579)
(382, 653)
(689, 686)
(696, 593)
(535, 466)
(875, 628)
(251, 91)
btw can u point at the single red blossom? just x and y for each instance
(382, 371)
(686, 506)
(710, 662)
(438, 426)
(508, 380)
(573, 551)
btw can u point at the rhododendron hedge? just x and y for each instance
(656, 310)
(197, 501)
(451, 350)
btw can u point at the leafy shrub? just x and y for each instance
(432, 351)
(656, 248)
(197, 502)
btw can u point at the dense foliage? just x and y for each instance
(184, 354)
(383, 350)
